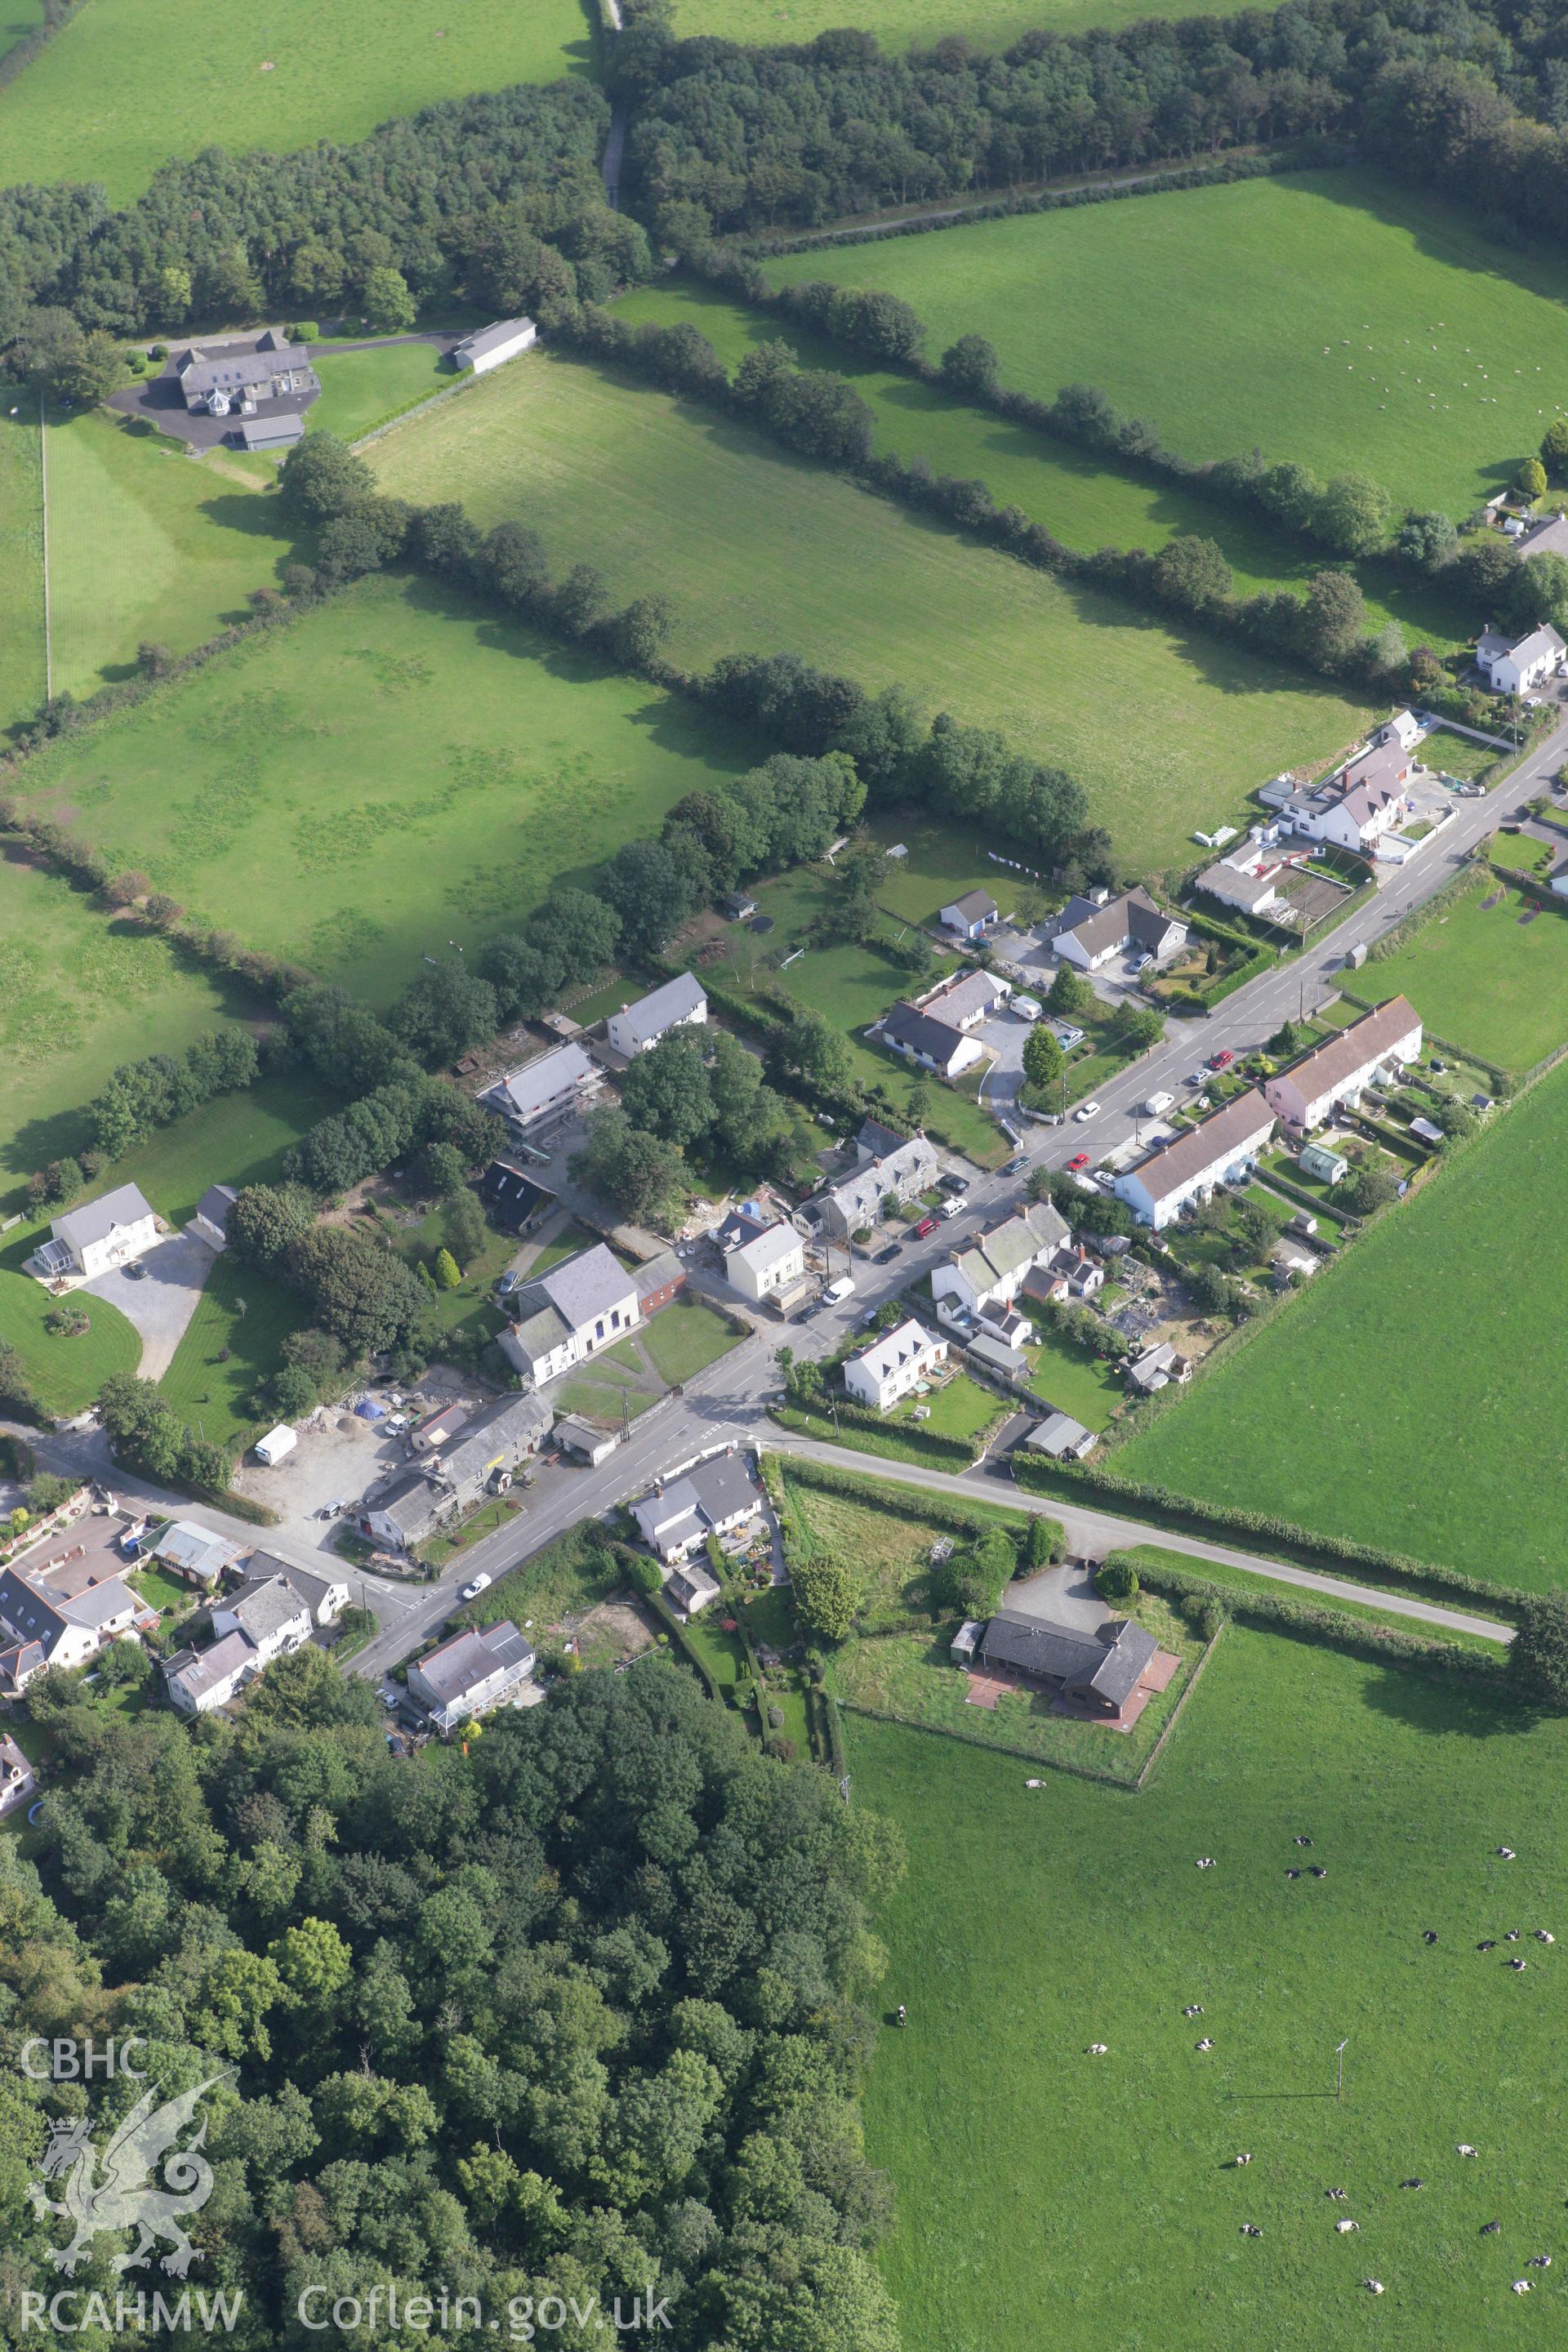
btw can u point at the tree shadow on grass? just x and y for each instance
(1473, 1708)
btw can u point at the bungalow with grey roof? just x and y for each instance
(971, 916)
(1102, 1670)
(924, 1037)
(1091, 930)
(549, 1086)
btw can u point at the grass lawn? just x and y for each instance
(758, 549)
(942, 861)
(360, 388)
(989, 24)
(1334, 317)
(1444, 1315)
(960, 1409)
(1072, 1380)
(146, 543)
(251, 1315)
(1453, 755)
(122, 87)
(21, 561)
(684, 1337)
(1521, 853)
(1483, 977)
(1031, 1923)
(890, 1549)
(65, 1373)
(472, 1306)
(469, 766)
(1361, 1613)
(1083, 501)
(161, 1590)
(81, 993)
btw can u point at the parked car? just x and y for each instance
(508, 1283)
(1086, 1111)
(1142, 962)
(1195, 1078)
(1222, 1060)
(476, 1585)
(135, 1271)
(1078, 1160)
(1017, 1167)
(951, 1209)
(886, 1256)
(927, 1225)
(1068, 1036)
(953, 1183)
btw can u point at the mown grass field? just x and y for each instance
(1483, 976)
(21, 566)
(684, 1337)
(1082, 503)
(130, 83)
(759, 549)
(79, 993)
(903, 24)
(1034, 1922)
(1330, 316)
(1410, 1397)
(360, 388)
(63, 1373)
(410, 769)
(147, 544)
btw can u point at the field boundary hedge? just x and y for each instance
(1217, 1522)
(1046, 200)
(1317, 1620)
(936, 1510)
(58, 15)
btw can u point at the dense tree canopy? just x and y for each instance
(572, 2012)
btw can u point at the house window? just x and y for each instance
(614, 1319)
(599, 1329)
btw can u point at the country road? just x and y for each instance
(727, 1405)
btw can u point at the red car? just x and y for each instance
(927, 1225)
(1222, 1060)
(1079, 1160)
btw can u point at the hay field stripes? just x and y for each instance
(759, 550)
(23, 633)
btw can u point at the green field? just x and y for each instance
(21, 567)
(900, 23)
(684, 1337)
(239, 1139)
(360, 388)
(1407, 294)
(127, 84)
(81, 993)
(1243, 1582)
(411, 768)
(759, 549)
(1485, 979)
(1411, 1396)
(1073, 1381)
(249, 1316)
(1082, 503)
(1032, 1923)
(146, 543)
(18, 20)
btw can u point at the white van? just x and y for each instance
(952, 1209)
(1157, 1103)
(838, 1292)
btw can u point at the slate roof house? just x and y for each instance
(991, 1273)
(545, 1088)
(971, 916)
(894, 1365)
(198, 1681)
(273, 1617)
(1100, 1670)
(768, 1261)
(886, 1164)
(922, 1036)
(1193, 1166)
(325, 1597)
(224, 381)
(1515, 665)
(68, 1629)
(490, 1447)
(711, 1500)
(471, 1674)
(1337, 1073)
(102, 1234)
(512, 1195)
(402, 1517)
(587, 1302)
(636, 1028)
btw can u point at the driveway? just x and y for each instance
(162, 1303)
(1059, 1596)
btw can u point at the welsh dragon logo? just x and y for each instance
(121, 2196)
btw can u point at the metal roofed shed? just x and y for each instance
(271, 432)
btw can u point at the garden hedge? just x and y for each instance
(1315, 1620)
(910, 1502)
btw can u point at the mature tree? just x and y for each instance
(639, 1174)
(1537, 592)
(443, 1011)
(1192, 573)
(1335, 615)
(525, 978)
(1427, 538)
(1116, 1579)
(1538, 1655)
(1555, 448)
(266, 1218)
(1071, 992)
(1143, 1027)
(1371, 1186)
(1046, 1542)
(444, 1269)
(969, 368)
(388, 305)
(1532, 479)
(826, 1592)
(666, 1089)
(820, 1052)
(1353, 514)
(1044, 1061)
(463, 1227)
(654, 887)
(320, 478)
(638, 634)
(1457, 1120)
(365, 1295)
(1292, 492)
